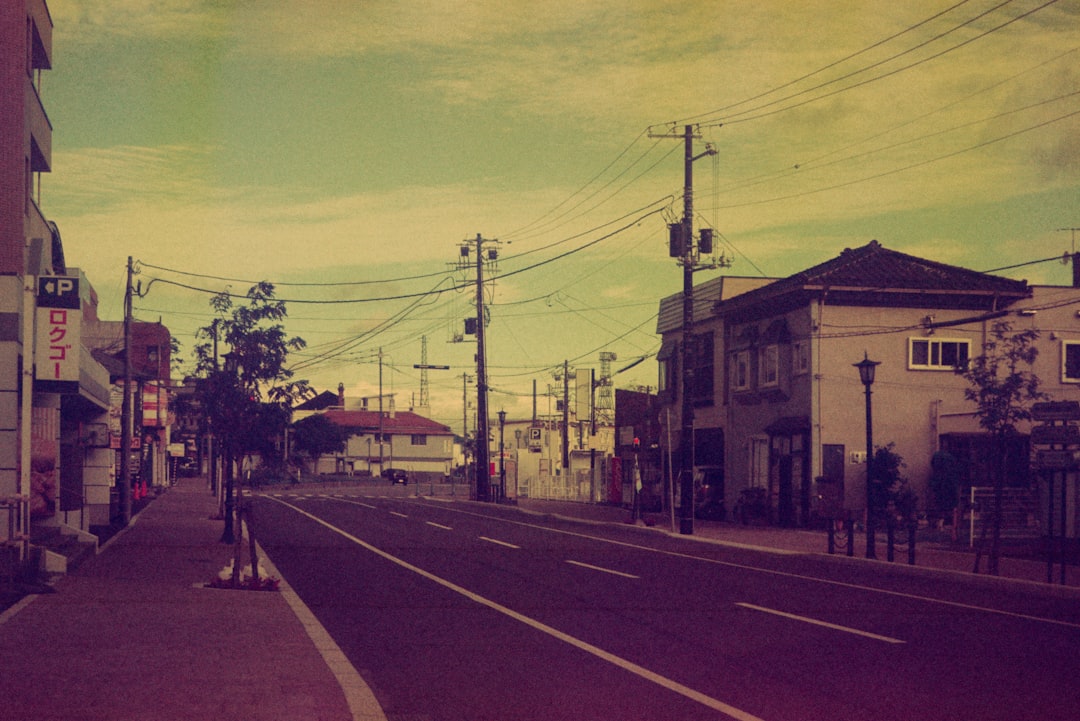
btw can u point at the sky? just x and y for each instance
(344, 151)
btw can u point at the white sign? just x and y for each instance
(58, 334)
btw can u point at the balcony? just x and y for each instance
(40, 132)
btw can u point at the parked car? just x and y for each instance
(187, 467)
(395, 475)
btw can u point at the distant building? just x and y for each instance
(402, 440)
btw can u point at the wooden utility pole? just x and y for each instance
(483, 470)
(689, 254)
(126, 423)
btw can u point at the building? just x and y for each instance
(402, 440)
(57, 469)
(151, 363)
(53, 395)
(779, 407)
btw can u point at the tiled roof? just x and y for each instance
(889, 277)
(400, 422)
(874, 266)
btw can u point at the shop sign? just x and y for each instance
(58, 322)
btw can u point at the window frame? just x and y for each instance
(800, 357)
(934, 348)
(769, 361)
(1065, 346)
(740, 368)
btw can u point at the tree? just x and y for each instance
(317, 435)
(248, 401)
(891, 496)
(1002, 391)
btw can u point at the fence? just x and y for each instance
(1019, 512)
(16, 541)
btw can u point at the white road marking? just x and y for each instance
(439, 525)
(782, 574)
(825, 624)
(630, 666)
(399, 515)
(601, 569)
(498, 542)
(359, 503)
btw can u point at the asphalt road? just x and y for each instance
(456, 610)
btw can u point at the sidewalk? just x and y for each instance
(134, 635)
(928, 555)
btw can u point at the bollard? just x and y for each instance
(911, 544)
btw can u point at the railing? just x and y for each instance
(1020, 516)
(841, 532)
(16, 541)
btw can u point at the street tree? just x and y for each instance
(1002, 387)
(247, 399)
(316, 436)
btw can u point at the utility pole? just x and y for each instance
(683, 247)
(566, 418)
(380, 413)
(483, 470)
(1073, 256)
(125, 409)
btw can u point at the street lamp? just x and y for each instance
(866, 375)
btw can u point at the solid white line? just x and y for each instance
(675, 686)
(399, 515)
(439, 525)
(604, 570)
(358, 695)
(496, 541)
(825, 624)
(782, 574)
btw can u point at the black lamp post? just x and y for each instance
(232, 362)
(866, 375)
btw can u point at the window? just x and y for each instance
(800, 357)
(666, 361)
(702, 360)
(419, 439)
(937, 354)
(740, 370)
(1070, 361)
(759, 462)
(768, 366)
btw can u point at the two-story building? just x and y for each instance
(778, 401)
(382, 440)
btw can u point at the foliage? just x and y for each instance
(1002, 389)
(998, 386)
(890, 493)
(317, 435)
(250, 399)
(944, 483)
